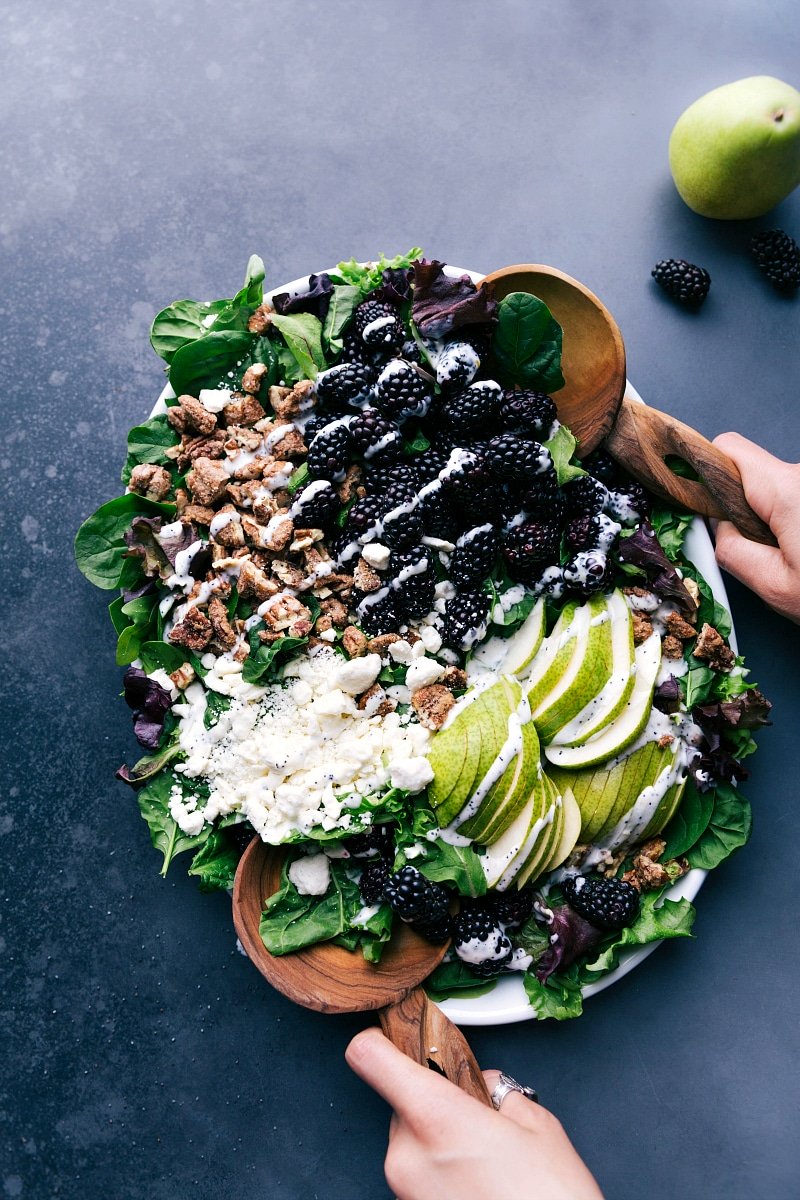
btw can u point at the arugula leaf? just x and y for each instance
(206, 362)
(560, 997)
(562, 448)
(148, 442)
(261, 665)
(689, 823)
(728, 829)
(165, 833)
(454, 978)
(100, 542)
(344, 300)
(302, 333)
(458, 865)
(291, 921)
(215, 863)
(527, 343)
(657, 919)
(182, 322)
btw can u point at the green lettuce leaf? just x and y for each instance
(291, 921)
(559, 998)
(100, 542)
(562, 448)
(182, 322)
(344, 300)
(262, 663)
(302, 333)
(459, 866)
(657, 919)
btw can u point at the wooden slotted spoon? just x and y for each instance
(597, 407)
(331, 979)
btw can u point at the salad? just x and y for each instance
(373, 607)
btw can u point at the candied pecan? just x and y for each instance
(381, 643)
(455, 679)
(289, 575)
(191, 414)
(194, 631)
(665, 740)
(259, 322)
(248, 468)
(678, 627)
(671, 647)
(374, 702)
(277, 533)
(150, 481)
(241, 438)
(353, 641)
(183, 676)
(254, 584)
(364, 578)
(200, 447)
(304, 539)
(253, 378)
(287, 612)
(289, 402)
(243, 410)
(276, 473)
(323, 623)
(207, 481)
(432, 704)
(198, 514)
(347, 489)
(339, 583)
(711, 647)
(337, 612)
(642, 627)
(223, 630)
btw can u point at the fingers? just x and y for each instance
(761, 568)
(764, 477)
(515, 1107)
(408, 1087)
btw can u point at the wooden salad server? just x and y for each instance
(597, 406)
(331, 979)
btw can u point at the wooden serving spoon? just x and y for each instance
(597, 406)
(331, 979)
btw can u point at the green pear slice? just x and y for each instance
(499, 811)
(452, 755)
(522, 646)
(652, 801)
(608, 703)
(555, 652)
(633, 774)
(480, 731)
(665, 811)
(627, 726)
(549, 834)
(588, 671)
(503, 785)
(499, 856)
(570, 831)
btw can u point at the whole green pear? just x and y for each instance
(735, 152)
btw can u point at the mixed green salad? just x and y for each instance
(373, 606)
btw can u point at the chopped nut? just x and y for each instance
(254, 584)
(642, 627)
(270, 635)
(223, 631)
(432, 704)
(304, 539)
(287, 612)
(375, 702)
(693, 590)
(288, 403)
(274, 471)
(364, 578)
(680, 628)
(194, 631)
(647, 873)
(671, 647)
(241, 438)
(183, 676)
(353, 641)
(291, 445)
(339, 583)
(189, 413)
(346, 490)
(253, 378)
(200, 447)
(259, 322)
(455, 679)
(199, 514)
(289, 574)
(150, 481)
(249, 469)
(244, 410)
(381, 643)
(323, 623)
(665, 740)
(279, 534)
(711, 647)
(207, 481)
(181, 502)
(241, 652)
(337, 612)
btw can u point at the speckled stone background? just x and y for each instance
(148, 149)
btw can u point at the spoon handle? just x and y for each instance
(420, 1029)
(641, 439)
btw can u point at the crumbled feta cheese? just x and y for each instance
(431, 638)
(327, 635)
(411, 774)
(402, 652)
(377, 555)
(214, 400)
(422, 672)
(356, 675)
(311, 875)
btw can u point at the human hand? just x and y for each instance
(772, 488)
(445, 1145)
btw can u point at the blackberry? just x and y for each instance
(375, 436)
(528, 545)
(411, 352)
(436, 930)
(403, 528)
(431, 463)
(316, 507)
(329, 454)
(605, 903)
(414, 898)
(528, 412)
(313, 426)
(440, 518)
(517, 459)
(474, 557)
(464, 622)
(373, 881)
(603, 467)
(682, 280)
(377, 613)
(401, 391)
(472, 410)
(581, 533)
(544, 500)
(588, 572)
(364, 514)
(382, 474)
(379, 326)
(511, 908)
(778, 256)
(585, 496)
(471, 490)
(458, 363)
(629, 503)
(354, 350)
(480, 942)
(414, 581)
(377, 840)
(345, 384)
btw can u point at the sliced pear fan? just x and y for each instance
(584, 676)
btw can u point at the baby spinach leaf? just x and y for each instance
(261, 665)
(155, 654)
(454, 978)
(562, 448)
(165, 833)
(237, 312)
(149, 765)
(709, 610)
(302, 333)
(344, 299)
(215, 862)
(207, 361)
(118, 618)
(100, 541)
(560, 997)
(657, 919)
(699, 684)
(728, 829)
(147, 443)
(182, 322)
(291, 921)
(527, 343)
(457, 865)
(689, 823)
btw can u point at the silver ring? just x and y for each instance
(506, 1084)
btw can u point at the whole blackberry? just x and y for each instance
(479, 941)
(458, 363)
(528, 412)
(414, 898)
(345, 384)
(588, 572)
(354, 350)
(464, 622)
(682, 280)
(316, 507)
(543, 500)
(375, 436)
(472, 410)
(377, 613)
(382, 474)
(472, 491)
(440, 519)
(474, 557)
(414, 581)
(329, 454)
(411, 352)
(629, 503)
(378, 840)
(314, 424)
(778, 256)
(511, 908)
(437, 929)
(402, 528)
(431, 463)
(581, 532)
(401, 392)
(517, 459)
(605, 903)
(373, 881)
(527, 546)
(585, 496)
(364, 515)
(603, 467)
(379, 326)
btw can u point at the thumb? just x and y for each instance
(414, 1092)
